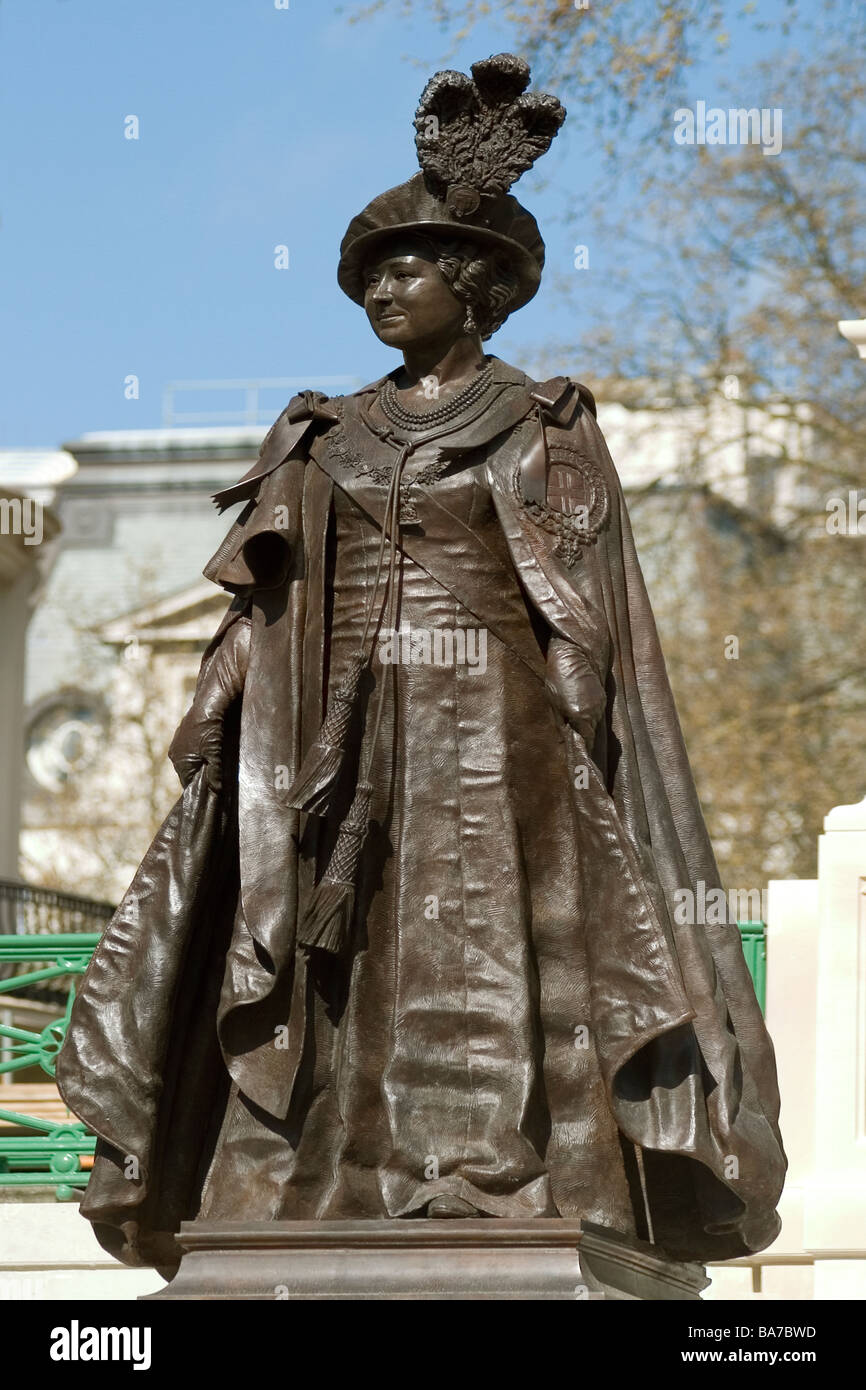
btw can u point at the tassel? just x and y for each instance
(312, 788)
(328, 919)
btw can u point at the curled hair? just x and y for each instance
(482, 277)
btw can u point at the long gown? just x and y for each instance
(452, 1053)
(518, 1019)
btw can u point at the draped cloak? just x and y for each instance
(200, 967)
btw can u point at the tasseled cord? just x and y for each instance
(328, 919)
(327, 922)
(314, 785)
(313, 788)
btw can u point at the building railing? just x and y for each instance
(249, 410)
(26, 910)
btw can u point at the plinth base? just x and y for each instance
(423, 1259)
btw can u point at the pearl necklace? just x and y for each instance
(449, 410)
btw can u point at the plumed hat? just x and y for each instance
(475, 137)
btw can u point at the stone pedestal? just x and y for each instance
(423, 1259)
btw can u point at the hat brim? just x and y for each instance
(350, 272)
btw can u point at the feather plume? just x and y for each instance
(476, 137)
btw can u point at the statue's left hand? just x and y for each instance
(199, 737)
(574, 688)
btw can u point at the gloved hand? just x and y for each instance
(199, 736)
(574, 688)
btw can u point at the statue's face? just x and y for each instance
(406, 298)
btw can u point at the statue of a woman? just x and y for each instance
(406, 946)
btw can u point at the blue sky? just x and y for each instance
(155, 257)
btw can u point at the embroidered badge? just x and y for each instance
(577, 506)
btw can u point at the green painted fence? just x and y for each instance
(754, 938)
(44, 948)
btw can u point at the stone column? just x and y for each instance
(834, 1225)
(19, 579)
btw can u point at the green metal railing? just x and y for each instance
(754, 938)
(42, 950)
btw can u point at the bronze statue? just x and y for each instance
(405, 947)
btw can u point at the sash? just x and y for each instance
(426, 548)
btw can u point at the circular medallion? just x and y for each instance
(576, 489)
(577, 502)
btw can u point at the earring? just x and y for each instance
(469, 324)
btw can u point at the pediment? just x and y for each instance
(189, 616)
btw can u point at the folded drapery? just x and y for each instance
(191, 986)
